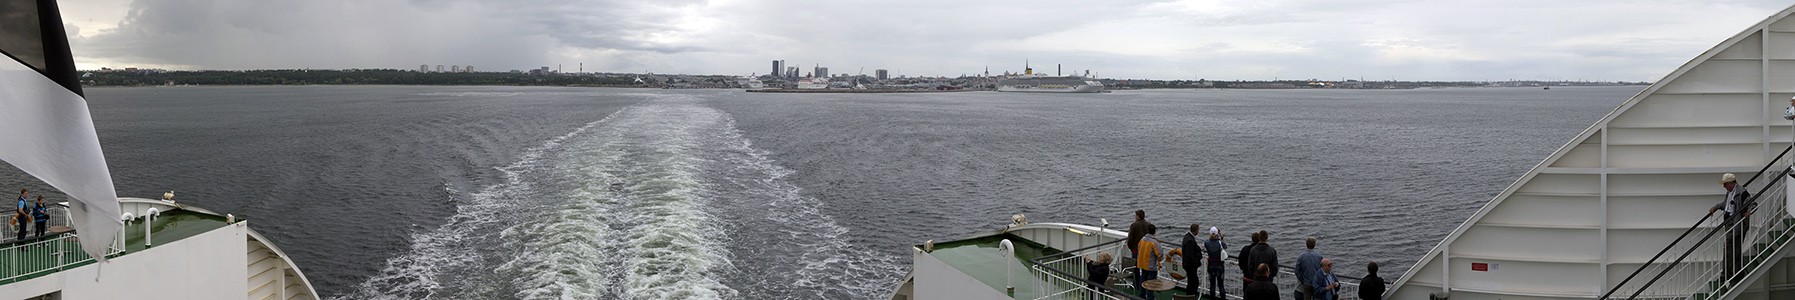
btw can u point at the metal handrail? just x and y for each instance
(1692, 248)
(1039, 264)
(40, 257)
(1046, 264)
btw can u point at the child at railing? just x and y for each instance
(1097, 270)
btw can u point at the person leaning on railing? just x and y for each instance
(1097, 270)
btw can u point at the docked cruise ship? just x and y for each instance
(1618, 212)
(100, 246)
(1049, 84)
(1029, 82)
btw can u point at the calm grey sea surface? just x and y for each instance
(396, 192)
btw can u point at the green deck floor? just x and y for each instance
(980, 259)
(34, 260)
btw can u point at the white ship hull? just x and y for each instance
(1048, 84)
(1073, 89)
(190, 253)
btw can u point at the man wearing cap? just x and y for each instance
(1737, 207)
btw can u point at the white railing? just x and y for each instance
(1699, 273)
(50, 255)
(1063, 277)
(59, 216)
(1066, 279)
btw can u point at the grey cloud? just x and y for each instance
(1473, 40)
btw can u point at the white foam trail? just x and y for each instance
(557, 228)
(653, 237)
(414, 275)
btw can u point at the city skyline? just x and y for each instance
(1375, 40)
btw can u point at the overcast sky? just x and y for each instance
(1259, 39)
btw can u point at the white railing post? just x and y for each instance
(147, 219)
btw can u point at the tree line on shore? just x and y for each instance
(353, 77)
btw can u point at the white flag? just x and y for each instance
(45, 129)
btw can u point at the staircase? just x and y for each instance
(1696, 272)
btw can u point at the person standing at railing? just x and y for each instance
(1097, 270)
(1215, 246)
(1136, 230)
(1737, 207)
(1325, 286)
(40, 216)
(1372, 287)
(1244, 258)
(21, 215)
(1191, 250)
(1307, 265)
(1263, 253)
(1147, 261)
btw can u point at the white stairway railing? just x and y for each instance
(1693, 267)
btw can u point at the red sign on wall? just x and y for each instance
(1480, 267)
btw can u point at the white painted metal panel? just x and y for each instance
(1659, 212)
(1750, 48)
(1555, 245)
(1554, 211)
(1719, 76)
(1581, 157)
(1660, 154)
(1693, 111)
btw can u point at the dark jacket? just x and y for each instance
(1098, 272)
(1264, 254)
(1193, 251)
(1742, 200)
(1372, 288)
(1261, 289)
(1135, 232)
(1246, 260)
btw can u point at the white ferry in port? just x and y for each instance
(1618, 212)
(1029, 82)
(100, 246)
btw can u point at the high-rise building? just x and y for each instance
(882, 74)
(778, 67)
(439, 68)
(423, 68)
(822, 72)
(467, 69)
(791, 72)
(454, 69)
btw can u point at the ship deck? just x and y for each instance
(980, 258)
(34, 258)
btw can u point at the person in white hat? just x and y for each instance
(1217, 251)
(1737, 207)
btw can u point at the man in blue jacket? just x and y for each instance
(1325, 285)
(1307, 264)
